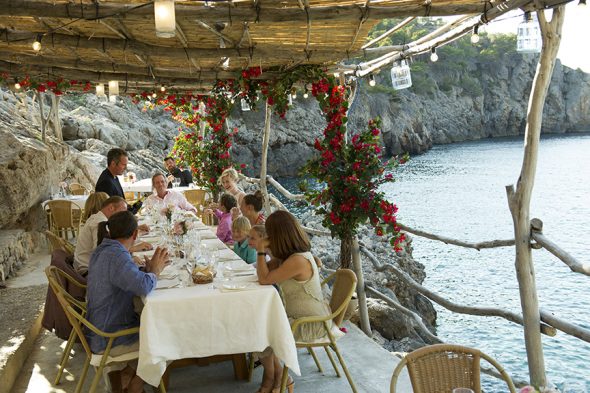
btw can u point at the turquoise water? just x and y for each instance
(459, 191)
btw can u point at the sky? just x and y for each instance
(574, 50)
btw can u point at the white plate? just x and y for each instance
(238, 266)
(164, 284)
(237, 286)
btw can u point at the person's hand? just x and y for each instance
(138, 261)
(144, 228)
(158, 261)
(207, 211)
(262, 245)
(142, 246)
(170, 178)
(235, 212)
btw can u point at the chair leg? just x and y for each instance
(284, 379)
(332, 361)
(161, 387)
(65, 357)
(344, 368)
(96, 379)
(250, 367)
(80, 384)
(315, 359)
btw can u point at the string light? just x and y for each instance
(154, 95)
(372, 80)
(475, 35)
(37, 43)
(165, 17)
(17, 85)
(433, 55)
(163, 89)
(306, 93)
(293, 93)
(336, 75)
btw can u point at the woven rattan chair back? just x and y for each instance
(64, 215)
(195, 197)
(444, 367)
(342, 290)
(57, 243)
(77, 189)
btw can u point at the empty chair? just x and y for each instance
(77, 189)
(444, 367)
(342, 291)
(65, 215)
(57, 243)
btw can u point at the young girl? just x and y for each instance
(224, 216)
(239, 231)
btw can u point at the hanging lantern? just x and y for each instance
(401, 77)
(433, 55)
(290, 99)
(37, 43)
(100, 90)
(165, 18)
(475, 35)
(244, 104)
(113, 90)
(528, 36)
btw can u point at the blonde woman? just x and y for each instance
(229, 182)
(93, 204)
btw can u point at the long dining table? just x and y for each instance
(232, 315)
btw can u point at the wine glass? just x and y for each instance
(176, 182)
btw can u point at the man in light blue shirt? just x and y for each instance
(113, 281)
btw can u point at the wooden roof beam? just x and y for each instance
(206, 14)
(184, 41)
(389, 32)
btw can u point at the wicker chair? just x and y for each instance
(131, 197)
(79, 322)
(342, 290)
(443, 367)
(77, 189)
(65, 215)
(59, 277)
(57, 243)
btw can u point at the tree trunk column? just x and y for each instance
(264, 159)
(519, 199)
(360, 288)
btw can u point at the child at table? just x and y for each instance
(240, 228)
(223, 214)
(257, 233)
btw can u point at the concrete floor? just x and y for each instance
(370, 365)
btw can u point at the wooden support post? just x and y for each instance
(360, 288)
(55, 120)
(41, 110)
(519, 199)
(264, 158)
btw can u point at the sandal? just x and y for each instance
(290, 386)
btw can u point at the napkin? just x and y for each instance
(164, 284)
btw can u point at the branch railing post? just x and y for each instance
(264, 158)
(519, 199)
(360, 288)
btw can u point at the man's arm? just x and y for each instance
(126, 275)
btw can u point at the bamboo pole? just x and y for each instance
(264, 158)
(360, 288)
(519, 199)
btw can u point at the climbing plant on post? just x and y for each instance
(351, 173)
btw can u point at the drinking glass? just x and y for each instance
(176, 182)
(462, 390)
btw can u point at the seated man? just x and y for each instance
(88, 237)
(113, 281)
(162, 197)
(185, 176)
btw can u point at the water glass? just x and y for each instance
(176, 182)
(462, 390)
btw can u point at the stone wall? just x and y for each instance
(16, 246)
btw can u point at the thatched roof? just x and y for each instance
(114, 39)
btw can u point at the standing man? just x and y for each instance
(109, 182)
(185, 176)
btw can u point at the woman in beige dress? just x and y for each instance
(295, 271)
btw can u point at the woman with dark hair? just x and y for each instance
(251, 208)
(113, 281)
(295, 271)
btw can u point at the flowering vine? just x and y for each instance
(57, 86)
(352, 173)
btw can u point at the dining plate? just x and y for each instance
(165, 284)
(237, 286)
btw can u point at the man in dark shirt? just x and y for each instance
(185, 176)
(109, 182)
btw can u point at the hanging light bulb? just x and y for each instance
(401, 77)
(306, 93)
(293, 93)
(475, 35)
(100, 90)
(17, 85)
(163, 89)
(528, 35)
(225, 64)
(37, 43)
(113, 90)
(433, 55)
(290, 100)
(372, 80)
(154, 95)
(336, 75)
(165, 17)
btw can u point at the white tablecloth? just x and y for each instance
(202, 320)
(79, 200)
(145, 185)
